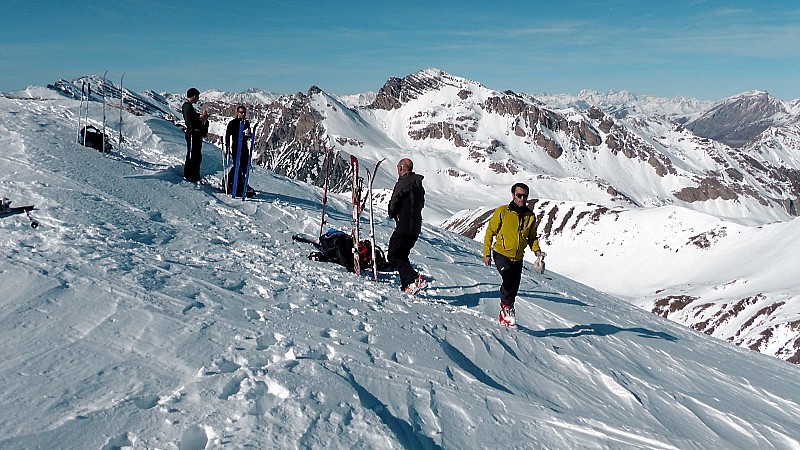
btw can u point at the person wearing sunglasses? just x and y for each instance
(512, 228)
(232, 146)
(196, 130)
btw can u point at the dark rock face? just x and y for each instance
(739, 120)
(397, 91)
(294, 143)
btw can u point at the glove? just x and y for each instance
(538, 265)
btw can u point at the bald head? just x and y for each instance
(404, 165)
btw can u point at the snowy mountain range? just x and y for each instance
(627, 187)
(148, 312)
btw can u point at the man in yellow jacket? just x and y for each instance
(512, 228)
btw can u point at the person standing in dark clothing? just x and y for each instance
(196, 130)
(405, 207)
(231, 147)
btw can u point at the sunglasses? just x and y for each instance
(518, 195)
(240, 112)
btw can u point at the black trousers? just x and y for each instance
(191, 168)
(511, 272)
(243, 161)
(400, 245)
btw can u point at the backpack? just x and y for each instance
(337, 247)
(365, 257)
(90, 136)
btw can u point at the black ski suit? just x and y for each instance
(196, 130)
(232, 143)
(405, 207)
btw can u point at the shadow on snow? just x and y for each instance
(596, 329)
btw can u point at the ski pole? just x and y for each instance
(104, 113)
(121, 104)
(80, 111)
(327, 165)
(249, 161)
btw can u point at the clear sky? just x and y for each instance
(694, 48)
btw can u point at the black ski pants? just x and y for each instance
(191, 168)
(511, 272)
(400, 245)
(244, 159)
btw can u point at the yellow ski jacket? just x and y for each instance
(513, 233)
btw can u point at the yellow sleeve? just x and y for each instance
(491, 231)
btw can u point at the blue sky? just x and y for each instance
(693, 48)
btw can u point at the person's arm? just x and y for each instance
(394, 202)
(491, 231)
(228, 138)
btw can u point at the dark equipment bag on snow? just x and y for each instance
(337, 247)
(90, 136)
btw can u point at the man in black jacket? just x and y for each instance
(196, 130)
(405, 207)
(231, 147)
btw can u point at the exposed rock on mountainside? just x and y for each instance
(737, 120)
(709, 317)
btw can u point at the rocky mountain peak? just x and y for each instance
(736, 120)
(397, 91)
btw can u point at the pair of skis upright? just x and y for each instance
(354, 228)
(86, 97)
(83, 115)
(357, 208)
(370, 180)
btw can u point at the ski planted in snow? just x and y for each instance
(104, 114)
(121, 105)
(327, 165)
(246, 189)
(225, 158)
(370, 180)
(356, 212)
(80, 111)
(86, 121)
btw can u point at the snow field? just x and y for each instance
(147, 312)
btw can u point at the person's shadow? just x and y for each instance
(595, 329)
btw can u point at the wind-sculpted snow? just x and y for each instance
(148, 312)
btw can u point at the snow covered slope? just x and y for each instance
(735, 282)
(147, 312)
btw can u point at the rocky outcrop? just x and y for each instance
(779, 338)
(398, 91)
(531, 119)
(294, 143)
(621, 141)
(707, 189)
(737, 120)
(439, 130)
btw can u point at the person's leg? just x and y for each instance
(511, 273)
(198, 157)
(191, 168)
(187, 165)
(400, 245)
